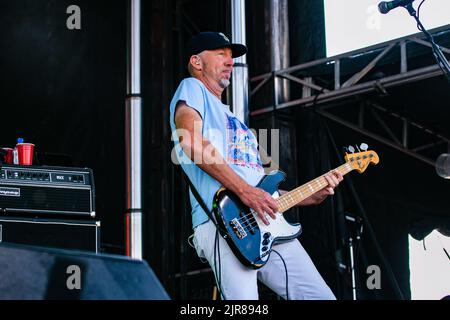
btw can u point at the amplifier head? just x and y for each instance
(47, 190)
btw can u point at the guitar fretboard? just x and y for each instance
(292, 198)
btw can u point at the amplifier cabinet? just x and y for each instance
(54, 233)
(47, 190)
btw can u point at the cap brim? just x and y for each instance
(236, 48)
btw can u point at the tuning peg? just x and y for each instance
(357, 148)
(345, 149)
(351, 149)
(364, 146)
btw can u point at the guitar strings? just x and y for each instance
(294, 199)
(249, 219)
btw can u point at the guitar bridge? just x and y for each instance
(238, 229)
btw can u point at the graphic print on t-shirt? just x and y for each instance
(242, 147)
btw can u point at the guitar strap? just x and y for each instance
(199, 199)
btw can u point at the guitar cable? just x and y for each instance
(218, 271)
(199, 199)
(286, 272)
(217, 275)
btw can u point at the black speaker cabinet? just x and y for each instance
(33, 273)
(55, 233)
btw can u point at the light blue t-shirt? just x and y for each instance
(235, 142)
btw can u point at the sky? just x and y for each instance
(429, 267)
(355, 24)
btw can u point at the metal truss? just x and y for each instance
(403, 143)
(342, 85)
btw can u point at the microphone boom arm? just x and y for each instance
(437, 52)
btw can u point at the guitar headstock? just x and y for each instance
(360, 160)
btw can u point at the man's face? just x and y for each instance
(217, 65)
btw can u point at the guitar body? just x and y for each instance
(248, 237)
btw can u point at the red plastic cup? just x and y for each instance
(25, 153)
(9, 155)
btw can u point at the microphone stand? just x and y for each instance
(437, 52)
(351, 246)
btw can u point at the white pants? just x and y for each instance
(239, 282)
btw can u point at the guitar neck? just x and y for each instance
(294, 197)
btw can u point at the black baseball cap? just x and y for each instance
(214, 40)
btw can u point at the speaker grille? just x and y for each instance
(62, 233)
(48, 199)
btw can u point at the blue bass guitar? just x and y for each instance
(248, 237)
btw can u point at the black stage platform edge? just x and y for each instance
(41, 273)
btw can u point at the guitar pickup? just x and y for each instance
(238, 229)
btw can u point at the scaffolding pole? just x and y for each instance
(133, 134)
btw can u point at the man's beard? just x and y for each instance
(223, 83)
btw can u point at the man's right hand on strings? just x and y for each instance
(260, 201)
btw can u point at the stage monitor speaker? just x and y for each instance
(37, 273)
